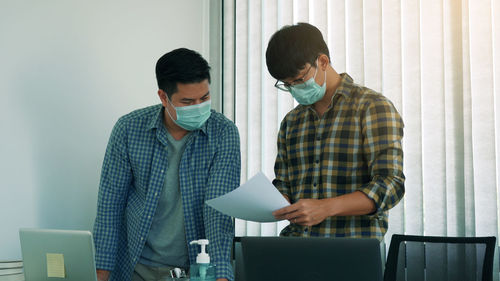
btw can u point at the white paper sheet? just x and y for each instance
(253, 201)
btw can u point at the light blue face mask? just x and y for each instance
(191, 117)
(309, 92)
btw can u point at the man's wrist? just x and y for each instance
(331, 206)
(102, 275)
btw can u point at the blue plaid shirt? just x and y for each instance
(132, 180)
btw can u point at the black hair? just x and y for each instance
(291, 47)
(180, 66)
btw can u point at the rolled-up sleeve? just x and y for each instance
(116, 177)
(281, 181)
(382, 128)
(224, 177)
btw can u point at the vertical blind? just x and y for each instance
(437, 60)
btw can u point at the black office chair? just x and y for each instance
(418, 258)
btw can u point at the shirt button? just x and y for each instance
(314, 184)
(306, 229)
(156, 193)
(142, 238)
(149, 217)
(162, 171)
(317, 161)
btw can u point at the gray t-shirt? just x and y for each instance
(166, 243)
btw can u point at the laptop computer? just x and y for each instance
(311, 259)
(50, 254)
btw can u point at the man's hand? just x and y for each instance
(305, 212)
(102, 275)
(222, 279)
(313, 211)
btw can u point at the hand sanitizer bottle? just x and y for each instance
(203, 270)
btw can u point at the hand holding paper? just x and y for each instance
(253, 201)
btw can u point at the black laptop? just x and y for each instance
(307, 259)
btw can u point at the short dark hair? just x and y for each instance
(291, 47)
(180, 66)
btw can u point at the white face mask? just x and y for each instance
(191, 117)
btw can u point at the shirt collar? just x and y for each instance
(345, 86)
(157, 122)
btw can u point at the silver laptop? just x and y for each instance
(310, 259)
(49, 254)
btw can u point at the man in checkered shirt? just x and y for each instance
(161, 164)
(340, 160)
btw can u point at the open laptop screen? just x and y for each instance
(50, 254)
(311, 259)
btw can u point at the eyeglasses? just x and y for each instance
(285, 86)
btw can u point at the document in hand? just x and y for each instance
(253, 201)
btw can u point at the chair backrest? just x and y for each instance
(439, 258)
(311, 258)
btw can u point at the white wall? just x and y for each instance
(68, 70)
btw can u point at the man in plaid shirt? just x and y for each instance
(161, 164)
(340, 160)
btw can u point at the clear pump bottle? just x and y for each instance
(203, 270)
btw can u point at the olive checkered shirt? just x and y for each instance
(354, 146)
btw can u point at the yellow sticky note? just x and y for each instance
(55, 265)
